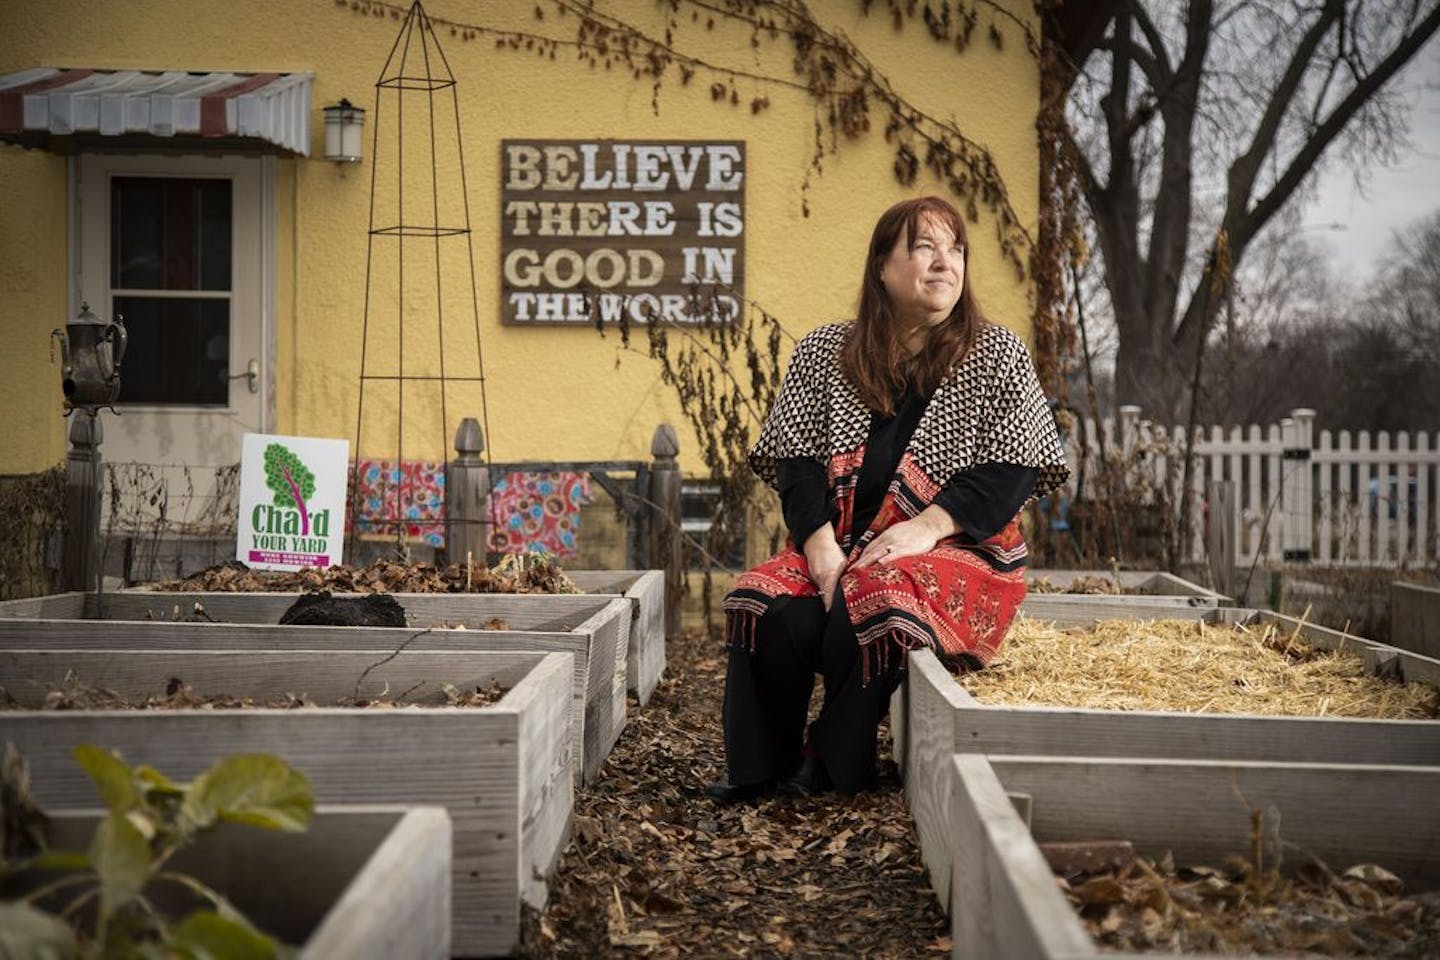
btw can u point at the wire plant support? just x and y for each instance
(401, 344)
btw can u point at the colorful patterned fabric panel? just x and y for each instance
(538, 512)
(417, 489)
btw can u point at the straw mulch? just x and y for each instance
(1190, 667)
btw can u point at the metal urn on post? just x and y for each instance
(90, 355)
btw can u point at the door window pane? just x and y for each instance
(172, 234)
(179, 350)
(169, 234)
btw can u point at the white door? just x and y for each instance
(174, 245)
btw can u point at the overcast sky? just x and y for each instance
(1395, 196)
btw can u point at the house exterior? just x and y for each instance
(166, 161)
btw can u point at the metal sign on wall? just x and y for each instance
(606, 229)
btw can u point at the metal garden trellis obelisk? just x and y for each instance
(430, 207)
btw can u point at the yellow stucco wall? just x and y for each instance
(553, 393)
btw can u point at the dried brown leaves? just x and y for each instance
(655, 869)
(515, 573)
(1191, 667)
(1237, 909)
(74, 694)
(1087, 584)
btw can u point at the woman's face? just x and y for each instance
(924, 281)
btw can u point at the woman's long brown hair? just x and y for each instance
(874, 358)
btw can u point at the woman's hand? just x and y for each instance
(909, 537)
(826, 560)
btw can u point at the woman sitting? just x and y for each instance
(903, 446)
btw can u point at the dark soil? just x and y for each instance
(322, 610)
(656, 869)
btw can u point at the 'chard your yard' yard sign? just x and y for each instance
(292, 502)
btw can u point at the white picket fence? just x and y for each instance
(1344, 500)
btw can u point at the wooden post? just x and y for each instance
(467, 497)
(1305, 438)
(1295, 497)
(664, 499)
(82, 502)
(1129, 428)
(1220, 538)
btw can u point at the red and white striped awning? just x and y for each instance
(263, 108)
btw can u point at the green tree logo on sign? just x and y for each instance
(291, 481)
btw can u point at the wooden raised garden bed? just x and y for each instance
(594, 629)
(645, 589)
(1006, 900)
(1415, 618)
(1137, 593)
(503, 772)
(361, 883)
(939, 718)
(1126, 583)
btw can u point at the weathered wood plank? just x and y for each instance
(60, 606)
(1200, 810)
(399, 905)
(1005, 901)
(610, 627)
(1415, 618)
(1075, 610)
(547, 795)
(1145, 582)
(931, 702)
(466, 760)
(594, 655)
(645, 660)
(520, 611)
(375, 883)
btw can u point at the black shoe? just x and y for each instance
(809, 779)
(725, 793)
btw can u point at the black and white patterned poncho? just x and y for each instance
(988, 409)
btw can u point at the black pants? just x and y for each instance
(767, 696)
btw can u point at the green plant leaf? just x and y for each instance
(34, 934)
(121, 859)
(254, 788)
(156, 782)
(205, 934)
(112, 777)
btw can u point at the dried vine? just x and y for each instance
(34, 509)
(845, 88)
(849, 97)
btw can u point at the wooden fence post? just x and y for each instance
(664, 497)
(1129, 428)
(1220, 538)
(82, 502)
(1295, 499)
(467, 497)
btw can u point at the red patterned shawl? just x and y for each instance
(958, 598)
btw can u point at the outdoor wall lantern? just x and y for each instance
(343, 125)
(90, 355)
